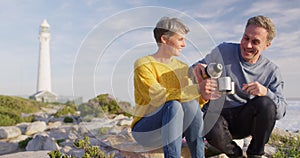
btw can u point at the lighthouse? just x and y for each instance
(44, 69)
(44, 92)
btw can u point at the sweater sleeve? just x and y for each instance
(147, 90)
(275, 92)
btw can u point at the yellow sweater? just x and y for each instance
(156, 83)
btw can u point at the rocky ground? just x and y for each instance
(112, 134)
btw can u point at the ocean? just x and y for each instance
(291, 120)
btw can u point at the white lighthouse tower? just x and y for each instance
(44, 92)
(44, 71)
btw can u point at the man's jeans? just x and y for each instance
(255, 118)
(168, 125)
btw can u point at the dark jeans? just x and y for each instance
(255, 118)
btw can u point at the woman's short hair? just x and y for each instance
(169, 26)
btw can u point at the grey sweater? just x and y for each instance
(263, 71)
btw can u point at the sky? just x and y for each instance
(94, 43)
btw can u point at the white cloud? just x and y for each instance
(208, 10)
(290, 67)
(286, 44)
(266, 7)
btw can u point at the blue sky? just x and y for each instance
(94, 43)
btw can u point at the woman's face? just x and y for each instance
(175, 43)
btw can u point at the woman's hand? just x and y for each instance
(208, 89)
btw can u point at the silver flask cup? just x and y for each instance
(225, 85)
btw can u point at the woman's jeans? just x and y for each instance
(167, 125)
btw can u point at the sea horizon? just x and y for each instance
(291, 120)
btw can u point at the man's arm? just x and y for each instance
(273, 91)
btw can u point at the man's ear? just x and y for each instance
(268, 45)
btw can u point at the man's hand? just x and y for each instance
(255, 89)
(199, 71)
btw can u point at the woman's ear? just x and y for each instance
(164, 39)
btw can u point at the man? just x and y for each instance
(258, 100)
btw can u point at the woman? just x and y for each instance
(167, 106)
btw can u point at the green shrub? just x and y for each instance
(108, 104)
(103, 130)
(90, 110)
(11, 109)
(5, 120)
(59, 141)
(28, 118)
(103, 104)
(20, 104)
(68, 109)
(68, 119)
(111, 106)
(23, 143)
(9, 117)
(89, 151)
(286, 146)
(58, 154)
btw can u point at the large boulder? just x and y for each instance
(28, 154)
(35, 127)
(9, 132)
(128, 147)
(8, 147)
(41, 142)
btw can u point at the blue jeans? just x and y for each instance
(166, 127)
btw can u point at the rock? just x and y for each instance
(124, 122)
(116, 138)
(41, 116)
(129, 148)
(270, 150)
(114, 130)
(9, 132)
(239, 142)
(76, 152)
(119, 117)
(18, 139)
(23, 126)
(156, 153)
(58, 134)
(53, 125)
(28, 154)
(8, 147)
(282, 132)
(51, 110)
(40, 142)
(35, 127)
(56, 119)
(66, 149)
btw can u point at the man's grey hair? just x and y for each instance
(264, 22)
